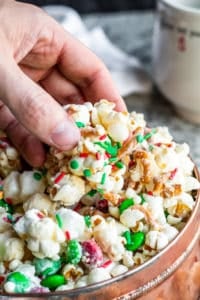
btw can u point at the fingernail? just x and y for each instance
(65, 135)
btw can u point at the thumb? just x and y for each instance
(36, 109)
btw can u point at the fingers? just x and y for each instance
(61, 89)
(36, 109)
(78, 64)
(30, 147)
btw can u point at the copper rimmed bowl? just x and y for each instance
(174, 273)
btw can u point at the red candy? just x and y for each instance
(92, 255)
(40, 215)
(84, 155)
(102, 205)
(67, 235)
(150, 193)
(98, 156)
(102, 137)
(2, 278)
(9, 201)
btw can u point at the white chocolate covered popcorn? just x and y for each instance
(111, 203)
(68, 190)
(42, 234)
(11, 247)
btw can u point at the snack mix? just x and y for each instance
(92, 213)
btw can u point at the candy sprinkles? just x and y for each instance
(96, 211)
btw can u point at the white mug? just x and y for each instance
(176, 55)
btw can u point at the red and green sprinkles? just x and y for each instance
(103, 178)
(87, 220)
(110, 149)
(80, 124)
(59, 220)
(142, 199)
(140, 138)
(59, 177)
(119, 164)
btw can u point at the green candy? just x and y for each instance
(22, 283)
(53, 281)
(46, 266)
(73, 252)
(125, 204)
(74, 164)
(135, 240)
(127, 236)
(8, 207)
(37, 176)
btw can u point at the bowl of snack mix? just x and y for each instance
(117, 217)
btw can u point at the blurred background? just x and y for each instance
(87, 6)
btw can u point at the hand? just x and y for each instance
(41, 67)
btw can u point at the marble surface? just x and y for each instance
(132, 32)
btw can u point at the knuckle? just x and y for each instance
(99, 72)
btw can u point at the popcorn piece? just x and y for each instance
(72, 272)
(69, 190)
(11, 187)
(9, 157)
(97, 275)
(29, 184)
(131, 216)
(14, 264)
(113, 247)
(155, 206)
(80, 113)
(72, 222)
(156, 240)
(39, 201)
(190, 183)
(19, 187)
(128, 260)
(118, 270)
(11, 247)
(42, 234)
